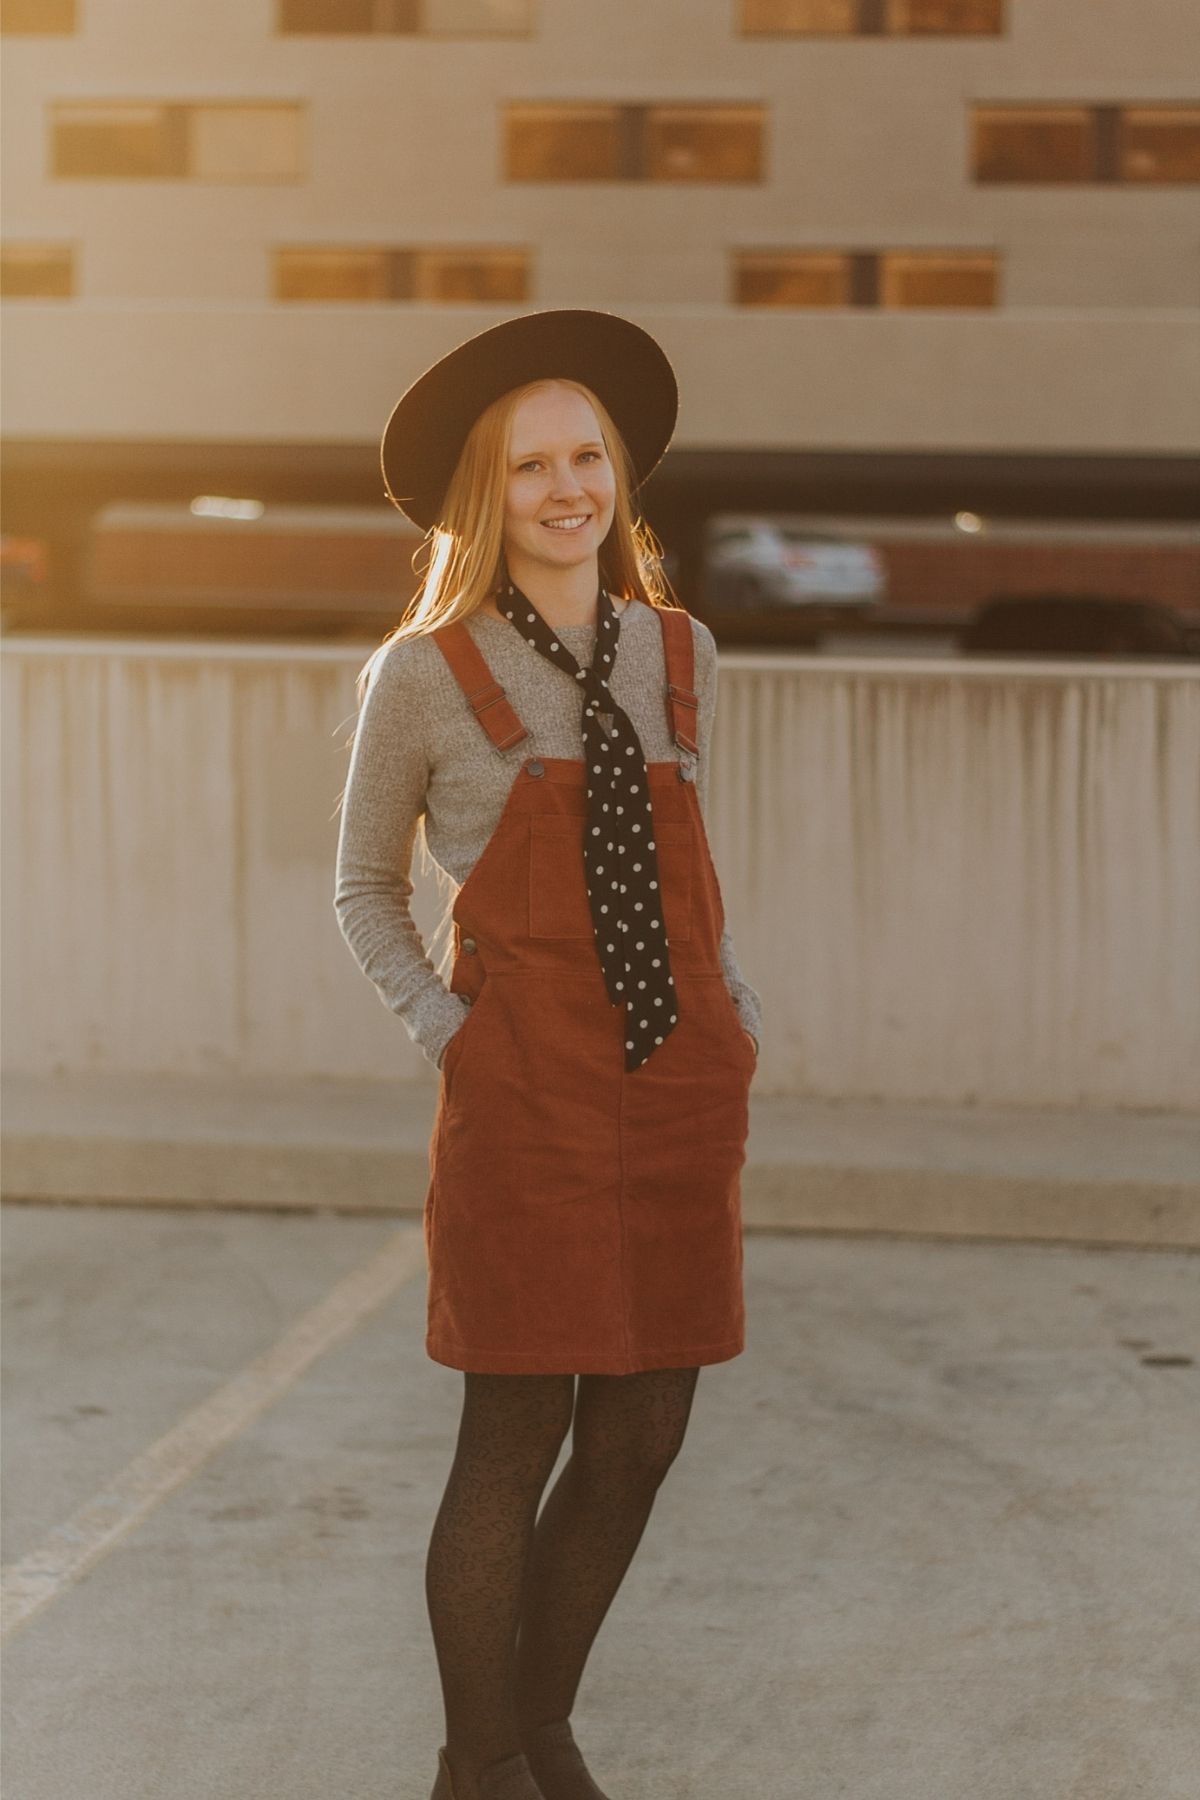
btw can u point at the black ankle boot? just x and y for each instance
(557, 1763)
(509, 1779)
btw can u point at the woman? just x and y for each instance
(546, 712)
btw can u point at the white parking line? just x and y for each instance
(89, 1534)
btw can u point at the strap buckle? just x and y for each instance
(488, 695)
(685, 738)
(492, 694)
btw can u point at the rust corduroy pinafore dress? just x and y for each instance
(580, 1219)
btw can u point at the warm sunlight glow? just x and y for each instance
(220, 506)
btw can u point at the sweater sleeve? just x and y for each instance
(382, 802)
(745, 998)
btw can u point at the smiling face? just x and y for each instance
(560, 486)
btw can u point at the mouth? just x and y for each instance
(568, 523)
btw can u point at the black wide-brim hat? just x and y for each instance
(622, 364)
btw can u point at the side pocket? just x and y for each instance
(453, 1049)
(743, 1036)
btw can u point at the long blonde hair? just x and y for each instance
(464, 552)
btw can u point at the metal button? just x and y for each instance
(535, 768)
(687, 771)
(470, 946)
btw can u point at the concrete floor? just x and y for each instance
(932, 1537)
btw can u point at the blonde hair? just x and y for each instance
(464, 552)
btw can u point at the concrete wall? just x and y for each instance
(952, 881)
(1036, 381)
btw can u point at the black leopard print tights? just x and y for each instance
(516, 1597)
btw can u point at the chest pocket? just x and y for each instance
(558, 897)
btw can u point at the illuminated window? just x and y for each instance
(346, 18)
(563, 143)
(792, 278)
(634, 143)
(1087, 143)
(945, 18)
(871, 18)
(893, 278)
(358, 274)
(937, 278)
(37, 271)
(124, 142)
(411, 18)
(1035, 143)
(37, 18)
(799, 18)
(704, 143)
(1160, 143)
(313, 274)
(451, 275)
(210, 142)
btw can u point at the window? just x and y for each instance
(563, 143)
(314, 274)
(347, 18)
(792, 278)
(450, 275)
(223, 141)
(634, 143)
(37, 18)
(37, 271)
(703, 143)
(1034, 143)
(1160, 143)
(363, 274)
(1087, 143)
(871, 18)
(119, 141)
(938, 278)
(799, 18)
(945, 18)
(892, 278)
(407, 18)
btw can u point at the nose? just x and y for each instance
(566, 482)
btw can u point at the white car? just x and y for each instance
(754, 562)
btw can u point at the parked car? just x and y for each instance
(753, 562)
(1079, 624)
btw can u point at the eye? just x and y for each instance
(534, 463)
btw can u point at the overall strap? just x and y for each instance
(485, 696)
(679, 656)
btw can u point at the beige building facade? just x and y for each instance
(866, 230)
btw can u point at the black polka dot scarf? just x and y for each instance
(619, 852)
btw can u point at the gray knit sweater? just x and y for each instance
(419, 749)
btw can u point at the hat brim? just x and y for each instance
(622, 364)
